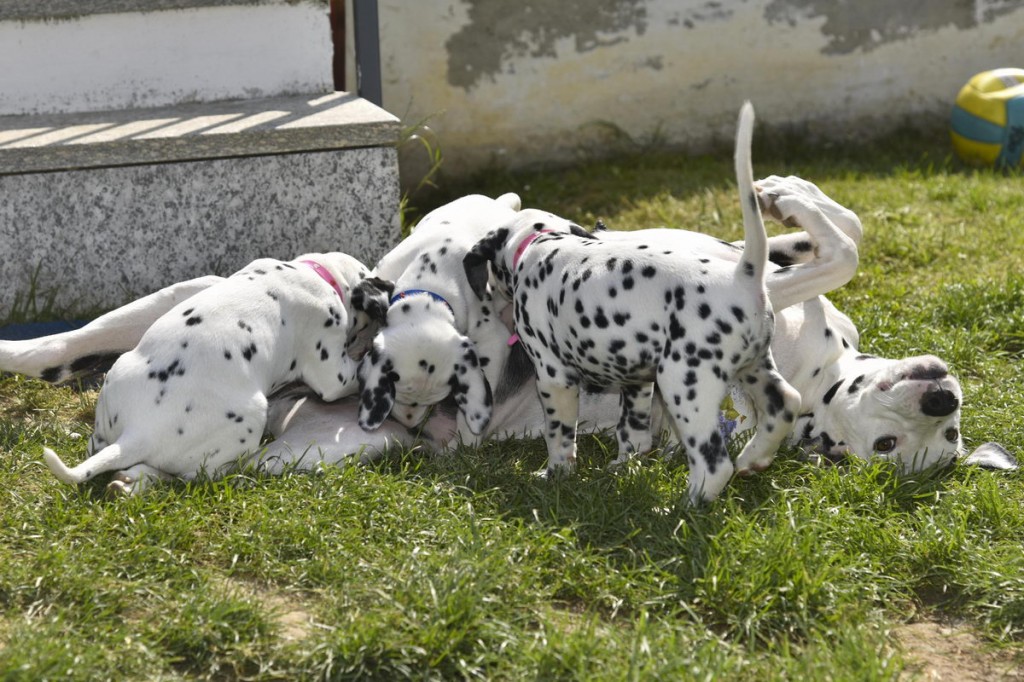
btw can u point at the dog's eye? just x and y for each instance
(885, 444)
(952, 434)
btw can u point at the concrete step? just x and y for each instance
(98, 208)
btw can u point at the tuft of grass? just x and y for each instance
(464, 565)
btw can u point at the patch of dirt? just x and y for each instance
(295, 621)
(942, 651)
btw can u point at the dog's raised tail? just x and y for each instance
(108, 459)
(755, 239)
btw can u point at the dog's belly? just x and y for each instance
(629, 366)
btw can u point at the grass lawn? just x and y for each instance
(466, 566)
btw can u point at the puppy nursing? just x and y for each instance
(638, 317)
(192, 395)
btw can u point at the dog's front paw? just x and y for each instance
(554, 473)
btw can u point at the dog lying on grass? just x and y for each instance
(191, 397)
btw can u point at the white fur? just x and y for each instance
(192, 395)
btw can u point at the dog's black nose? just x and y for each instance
(939, 402)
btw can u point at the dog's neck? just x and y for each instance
(819, 389)
(811, 429)
(417, 304)
(402, 295)
(524, 244)
(326, 276)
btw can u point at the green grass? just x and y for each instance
(464, 565)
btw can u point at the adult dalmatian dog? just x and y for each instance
(814, 346)
(192, 395)
(633, 315)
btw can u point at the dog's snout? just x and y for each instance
(929, 370)
(939, 402)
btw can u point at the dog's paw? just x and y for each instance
(779, 206)
(749, 469)
(619, 463)
(792, 201)
(553, 473)
(121, 486)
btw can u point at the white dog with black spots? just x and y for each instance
(192, 396)
(638, 317)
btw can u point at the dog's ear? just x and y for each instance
(483, 252)
(511, 200)
(991, 456)
(371, 296)
(377, 380)
(471, 390)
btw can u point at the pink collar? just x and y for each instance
(325, 275)
(529, 239)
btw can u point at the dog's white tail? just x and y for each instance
(755, 239)
(109, 458)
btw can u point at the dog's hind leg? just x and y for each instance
(561, 403)
(776, 405)
(94, 347)
(818, 260)
(134, 480)
(633, 433)
(691, 397)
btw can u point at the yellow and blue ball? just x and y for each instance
(987, 124)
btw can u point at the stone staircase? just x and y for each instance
(117, 179)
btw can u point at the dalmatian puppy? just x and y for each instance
(636, 317)
(904, 410)
(852, 404)
(437, 341)
(192, 395)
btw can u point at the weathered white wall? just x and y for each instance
(144, 59)
(524, 81)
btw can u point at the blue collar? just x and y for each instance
(412, 292)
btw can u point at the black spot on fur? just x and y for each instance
(830, 393)
(780, 258)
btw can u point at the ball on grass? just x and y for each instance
(987, 123)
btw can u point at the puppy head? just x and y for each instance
(412, 367)
(503, 248)
(905, 411)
